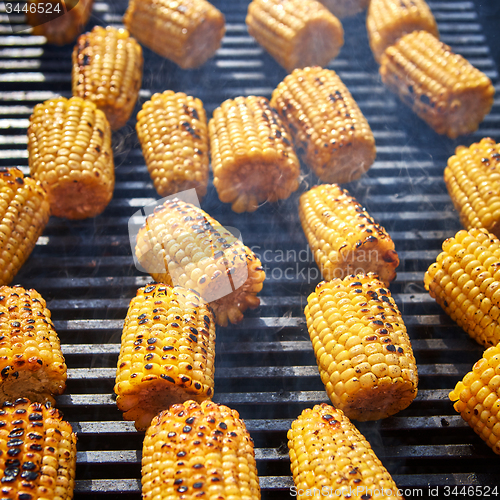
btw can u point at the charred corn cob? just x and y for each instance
(329, 455)
(477, 398)
(361, 346)
(167, 352)
(345, 8)
(297, 33)
(180, 244)
(172, 130)
(253, 160)
(187, 32)
(464, 280)
(69, 147)
(107, 69)
(24, 213)
(31, 361)
(343, 237)
(389, 20)
(330, 133)
(441, 87)
(199, 450)
(473, 182)
(60, 21)
(38, 452)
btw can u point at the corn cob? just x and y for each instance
(253, 160)
(107, 69)
(477, 398)
(58, 29)
(343, 237)
(187, 32)
(345, 8)
(69, 146)
(361, 346)
(329, 455)
(172, 130)
(389, 20)
(167, 352)
(330, 133)
(38, 452)
(296, 33)
(441, 87)
(199, 450)
(464, 280)
(180, 244)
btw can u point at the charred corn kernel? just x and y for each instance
(473, 181)
(361, 346)
(24, 213)
(59, 21)
(31, 361)
(180, 244)
(187, 32)
(389, 20)
(172, 130)
(441, 87)
(328, 453)
(344, 239)
(465, 279)
(477, 398)
(253, 160)
(330, 133)
(107, 69)
(199, 450)
(69, 148)
(345, 8)
(296, 33)
(167, 352)
(38, 452)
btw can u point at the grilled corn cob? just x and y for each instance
(107, 69)
(477, 398)
(24, 213)
(343, 237)
(187, 32)
(199, 450)
(172, 130)
(464, 280)
(441, 87)
(38, 452)
(345, 8)
(389, 20)
(473, 181)
(69, 146)
(58, 29)
(329, 455)
(181, 244)
(253, 160)
(330, 133)
(361, 346)
(31, 361)
(296, 33)
(167, 352)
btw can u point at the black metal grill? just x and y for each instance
(265, 366)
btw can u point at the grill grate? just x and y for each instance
(265, 366)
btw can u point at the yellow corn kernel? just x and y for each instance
(330, 133)
(187, 32)
(297, 33)
(345, 8)
(441, 87)
(253, 160)
(361, 346)
(107, 69)
(172, 130)
(69, 147)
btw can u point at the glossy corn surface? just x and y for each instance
(199, 450)
(362, 349)
(253, 160)
(345, 8)
(330, 133)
